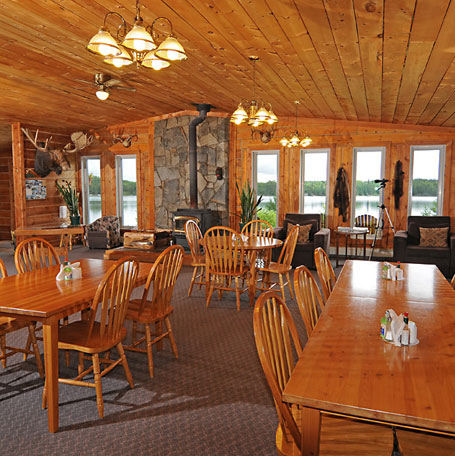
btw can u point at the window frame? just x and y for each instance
(254, 155)
(383, 150)
(441, 176)
(85, 185)
(303, 152)
(119, 188)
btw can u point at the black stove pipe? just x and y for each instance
(192, 149)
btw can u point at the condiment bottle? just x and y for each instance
(384, 271)
(383, 326)
(399, 272)
(388, 331)
(405, 333)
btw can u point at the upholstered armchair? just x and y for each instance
(318, 237)
(104, 233)
(427, 240)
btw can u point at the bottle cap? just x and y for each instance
(406, 314)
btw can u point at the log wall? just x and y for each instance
(341, 137)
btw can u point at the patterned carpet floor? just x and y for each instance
(213, 400)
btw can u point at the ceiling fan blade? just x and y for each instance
(85, 82)
(112, 82)
(131, 89)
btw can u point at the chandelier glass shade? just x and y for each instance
(138, 43)
(294, 138)
(255, 112)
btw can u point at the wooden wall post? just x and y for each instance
(18, 176)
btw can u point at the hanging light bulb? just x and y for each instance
(102, 94)
(152, 61)
(121, 60)
(294, 138)
(103, 43)
(255, 112)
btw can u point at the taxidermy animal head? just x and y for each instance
(79, 141)
(125, 140)
(47, 159)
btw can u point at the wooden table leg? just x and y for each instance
(252, 284)
(338, 246)
(365, 246)
(311, 430)
(50, 335)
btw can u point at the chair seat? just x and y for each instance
(276, 268)
(75, 337)
(147, 315)
(198, 260)
(418, 252)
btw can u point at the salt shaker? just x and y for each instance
(412, 333)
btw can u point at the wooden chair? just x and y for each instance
(194, 238)
(308, 297)
(157, 310)
(35, 253)
(282, 266)
(263, 229)
(366, 221)
(278, 346)
(224, 258)
(9, 325)
(325, 272)
(90, 337)
(452, 282)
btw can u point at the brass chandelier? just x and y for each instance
(137, 43)
(294, 138)
(255, 112)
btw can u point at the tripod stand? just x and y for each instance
(380, 225)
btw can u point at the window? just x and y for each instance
(314, 181)
(426, 180)
(368, 166)
(265, 183)
(126, 190)
(91, 185)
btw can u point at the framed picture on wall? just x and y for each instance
(35, 189)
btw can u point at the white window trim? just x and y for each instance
(354, 181)
(119, 187)
(302, 177)
(85, 183)
(442, 161)
(254, 155)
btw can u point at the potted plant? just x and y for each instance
(71, 198)
(249, 204)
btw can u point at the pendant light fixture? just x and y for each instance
(255, 112)
(294, 139)
(137, 43)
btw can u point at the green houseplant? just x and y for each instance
(71, 198)
(249, 204)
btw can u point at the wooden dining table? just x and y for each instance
(38, 296)
(347, 368)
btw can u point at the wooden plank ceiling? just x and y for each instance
(389, 60)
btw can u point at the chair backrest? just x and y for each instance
(278, 347)
(112, 297)
(163, 276)
(260, 228)
(193, 236)
(325, 272)
(308, 297)
(35, 253)
(287, 251)
(224, 251)
(366, 221)
(3, 270)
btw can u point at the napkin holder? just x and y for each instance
(397, 325)
(69, 272)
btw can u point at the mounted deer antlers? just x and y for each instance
(125, 140)
(46, 159)
(80, 140)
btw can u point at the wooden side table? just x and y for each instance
(344, 231)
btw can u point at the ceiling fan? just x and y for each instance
(104, 82)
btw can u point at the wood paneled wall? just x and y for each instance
(6, 193)
(22, 156)
(341, 137)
